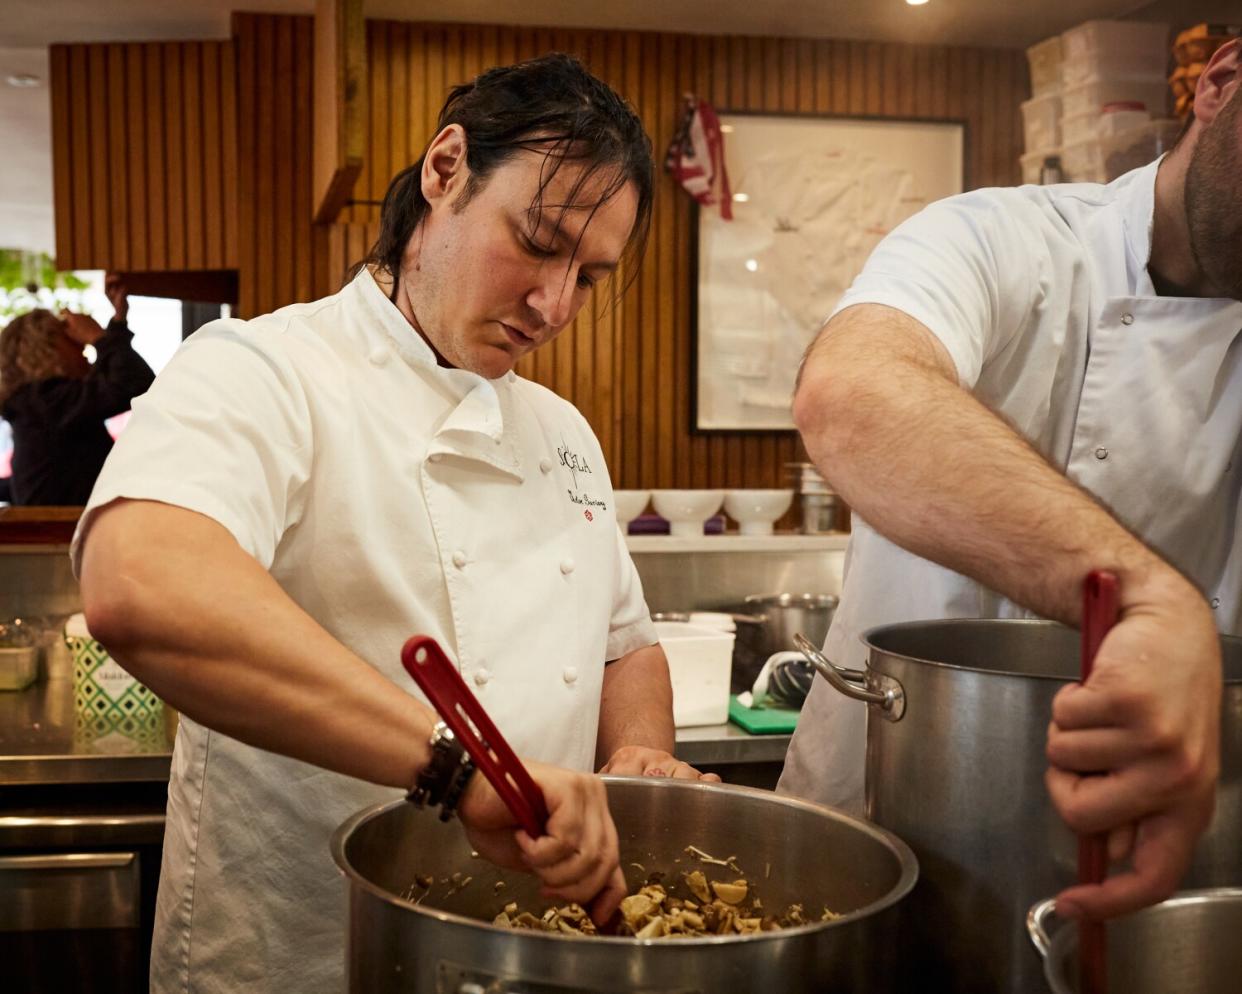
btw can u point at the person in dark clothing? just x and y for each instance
(56, 401)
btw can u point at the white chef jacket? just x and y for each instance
(387, 496)
(1041, 295)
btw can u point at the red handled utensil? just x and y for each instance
(438, 678)
(1099, 614)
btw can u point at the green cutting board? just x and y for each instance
(762, 721)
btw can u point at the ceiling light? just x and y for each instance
(916, 3)
(752, 264)
(24, 80)
(741, 198)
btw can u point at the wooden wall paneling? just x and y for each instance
(213, 164)
(282, 161)
(175, 163)
(664, 330)
(229, 135)
(378, 166)
(839, 69)
(97, 169)
(609, 304)
(192, 123)
(630, 344)
(690, 51)
(116, 144)
(311, 277)
(247, 148)
(265, 203)
(62, 153)
(398, 104)
(647, 328)
(156, 197)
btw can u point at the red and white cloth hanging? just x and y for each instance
(696, 156)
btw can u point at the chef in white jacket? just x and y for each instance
(300, 493)
(1027, 384)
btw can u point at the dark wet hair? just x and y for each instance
(550, 104)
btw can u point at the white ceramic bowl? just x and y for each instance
(686, 510)
(630, 504)
(755, 511)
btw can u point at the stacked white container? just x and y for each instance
(1118, 65)
(1041, 115)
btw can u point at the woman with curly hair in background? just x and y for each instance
(56, 401)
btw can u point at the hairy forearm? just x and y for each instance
(180, 605)
(935, 471)
(636, 705)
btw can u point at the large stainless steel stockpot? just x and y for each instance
(957, 722)
(1187, 944)
(791, 851)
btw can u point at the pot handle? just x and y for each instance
(890, 698)
(1037, 925)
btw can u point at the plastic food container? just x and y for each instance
(1096, 91)
(1137, 146)
(1120, 117)
(1041, 120)
(1083, 162)
(1114, 48)
(699, 663)
(1045, 62)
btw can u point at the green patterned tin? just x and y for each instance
(107, 697)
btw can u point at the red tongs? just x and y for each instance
(1099, 614)
(438, 678)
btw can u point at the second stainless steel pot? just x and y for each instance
(956, 730)
(768, 625)
(1187, 944)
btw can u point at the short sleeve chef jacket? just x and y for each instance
(1041, 295)
(387, 496)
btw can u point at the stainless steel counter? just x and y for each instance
(43, 742)
(723, 745)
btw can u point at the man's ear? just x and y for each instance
(1220, 79)
(444, 166)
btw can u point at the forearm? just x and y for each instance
(932, 469)
(190, 614)
(636, 704)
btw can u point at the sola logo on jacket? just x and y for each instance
(572, 461)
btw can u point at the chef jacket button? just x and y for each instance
(570, 675)
(567, 566)
(481, 676)
(459, 559)
(1127, 318)
(435, 457)
(379, 356)
(1215, 602)
(512, 376)
(545, 465)
(1101, 453)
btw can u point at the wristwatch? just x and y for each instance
(443, 780)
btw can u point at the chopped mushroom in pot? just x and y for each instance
(688, 906)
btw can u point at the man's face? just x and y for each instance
(1214, 199)
(488, 282)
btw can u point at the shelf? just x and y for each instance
(791, 542)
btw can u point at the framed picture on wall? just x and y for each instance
(812, 196)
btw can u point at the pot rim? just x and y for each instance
(1064, 940)
(908, 876)
(805, 601)
(867, 638)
